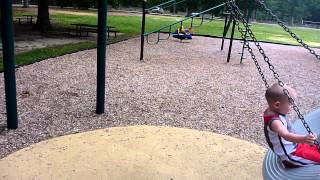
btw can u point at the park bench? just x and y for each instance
(26, 19)
(81, 29)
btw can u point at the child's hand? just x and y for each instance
(315, 135)
(310, 138)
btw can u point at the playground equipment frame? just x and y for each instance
(9, 60)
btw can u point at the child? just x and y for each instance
(293, 150)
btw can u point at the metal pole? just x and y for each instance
(101, 55)
(9, 63)
(143, 27)
(224, 31)
(231, 39)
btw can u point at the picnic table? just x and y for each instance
(26, 18)
(81, 28)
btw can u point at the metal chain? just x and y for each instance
(239, 17)
(287, 29)
(253, 56)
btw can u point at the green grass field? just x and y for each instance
(131, 26)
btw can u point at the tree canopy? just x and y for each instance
(296, 10)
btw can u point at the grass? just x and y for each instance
(49, 52)
(131, 26)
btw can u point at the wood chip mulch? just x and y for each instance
(186, 84)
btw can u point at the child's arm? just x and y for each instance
(278, 127)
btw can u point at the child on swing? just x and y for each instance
(293, 150)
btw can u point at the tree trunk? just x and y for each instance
(292, 20)
(255, 15)
(174, 7)
(189, 11)
(43, 22)
(25, 3)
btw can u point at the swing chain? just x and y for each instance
(287, 29)
(153, 43)
(266, 58)
(239, 17)
(247, 45)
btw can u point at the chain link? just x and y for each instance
(238, 16)
(247, 45)
(287, 29)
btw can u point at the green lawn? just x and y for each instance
(49, 52)
(131, 26)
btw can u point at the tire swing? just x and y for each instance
(272, 167)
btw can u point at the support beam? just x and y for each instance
(247, 14)
(231, 40)
(101, 55)
(143, 25)
(9, 63)
(226, 28)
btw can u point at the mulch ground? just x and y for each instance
(187, 85)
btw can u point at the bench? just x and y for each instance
(95, 30)
(112, 31)
(85, 28)
(25, 18)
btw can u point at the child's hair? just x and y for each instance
(275, 93)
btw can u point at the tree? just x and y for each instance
(290, 10)
(314, 8)
(43, 21)
(297, 10)
(192, 6)
(26, 3)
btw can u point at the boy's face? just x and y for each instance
(282, 107)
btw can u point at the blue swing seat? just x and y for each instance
(185, 35)
(182, 36)
(272, 167)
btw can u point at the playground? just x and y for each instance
(186, 85)
(179, 110)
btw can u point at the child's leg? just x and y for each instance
(307, 152)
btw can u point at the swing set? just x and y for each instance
(180, 33)
(272, 168)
